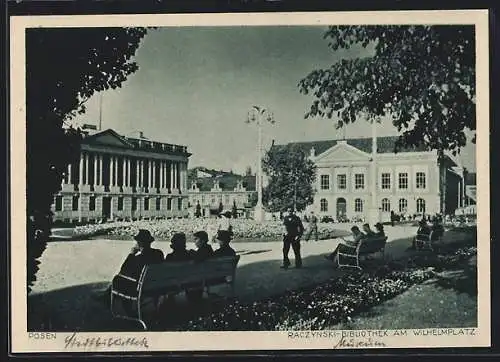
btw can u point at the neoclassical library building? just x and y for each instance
(123, 178)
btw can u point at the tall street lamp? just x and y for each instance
(374, 212)
(259, 115)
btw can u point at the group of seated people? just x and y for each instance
(143, 254)
(434, 231)
(357, 236)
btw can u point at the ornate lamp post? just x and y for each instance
(259, 115)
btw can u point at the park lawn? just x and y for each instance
(422, 306)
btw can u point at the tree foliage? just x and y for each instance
(291, 175)
(423, 76)
(64, 68)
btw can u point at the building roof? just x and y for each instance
(385, 144)
(111, 138)
(470, 178)
(227, 181)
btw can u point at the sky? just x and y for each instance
(195, 86)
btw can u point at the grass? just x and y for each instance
(422, 306)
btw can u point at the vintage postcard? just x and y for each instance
(257, 181)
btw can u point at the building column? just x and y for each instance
(181, 186)
(176, 171)
(129, 178)
(95, 169)
(124, 172)
(137, 176)
(111, 170)
(139, 173)
(171, 175)
(161, 174)
(115, 171)
(80, 170)
(153, 174)
(99, 166)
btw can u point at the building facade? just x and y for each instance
(406, 183)
(210, 189)
(124, 178)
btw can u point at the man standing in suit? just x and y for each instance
(294, 231)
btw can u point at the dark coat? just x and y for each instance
(179, 256)
(224, 251)
(133, 264)
(293, 225)
(203, 253)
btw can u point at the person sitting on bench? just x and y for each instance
(179, 252)
(379, 230)
(202, 253)
(353, 244)
(437, 228)
(224, 238)
(140, 255)
(367, 231)
(423, 229)
(203, 249)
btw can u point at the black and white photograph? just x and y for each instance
(275, 181)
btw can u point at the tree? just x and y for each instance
(248, 171)
(291, 175)
(65, 67)
(423, 77)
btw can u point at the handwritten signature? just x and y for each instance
(354, 343)
(73, 341)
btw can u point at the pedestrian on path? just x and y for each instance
(313, 227)
(294, 231)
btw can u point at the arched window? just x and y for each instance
(323, 205)
(358, 205)
(403, 205)
(420, 206)
(386, 205)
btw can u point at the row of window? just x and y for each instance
(386, 205)
(359, 181)
(76, 201)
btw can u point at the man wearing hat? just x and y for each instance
(224, 238)
(140, 255)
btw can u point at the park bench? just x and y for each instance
(425, 241)
(366, 247)
(170, 278)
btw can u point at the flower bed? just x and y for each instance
(312, 308)
(325, 305)
(164, 229)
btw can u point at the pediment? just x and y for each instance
(342, 152)
(107, 138)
